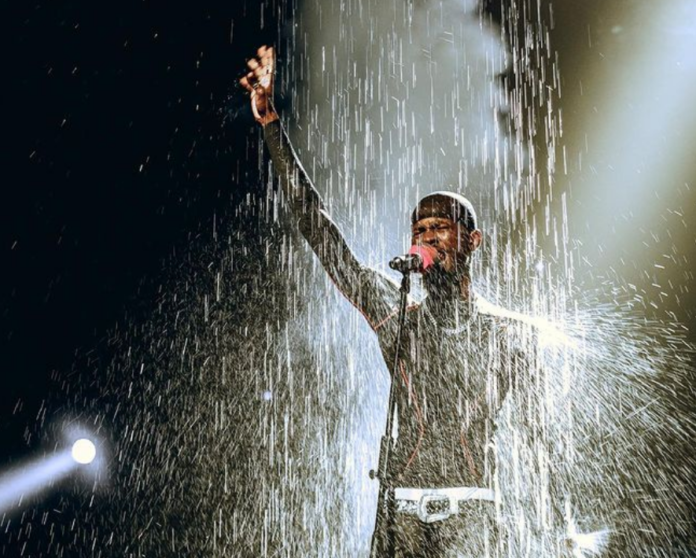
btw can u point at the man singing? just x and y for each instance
(458, 357)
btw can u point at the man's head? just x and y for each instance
(446, 222)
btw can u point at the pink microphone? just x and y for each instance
(418, 259)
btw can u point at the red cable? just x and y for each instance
(419, 416)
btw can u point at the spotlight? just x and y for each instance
(84, 451)
(38, 475)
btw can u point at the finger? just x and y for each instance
(268, 57)
(251, 80)
(246, 85)
(267, 66)
(262, 71)
(253, 63)
(263, 49)
(265, 70)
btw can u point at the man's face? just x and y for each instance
(453, 242)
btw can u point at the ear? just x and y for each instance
(475, 239)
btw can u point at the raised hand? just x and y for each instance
(259, 83)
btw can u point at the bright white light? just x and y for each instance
(643, 138)
(31, 478)
(84, 451)
(584, 544)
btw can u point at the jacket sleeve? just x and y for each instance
(369, 291)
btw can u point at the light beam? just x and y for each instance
(32, 478)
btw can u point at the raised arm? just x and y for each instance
(371, 293)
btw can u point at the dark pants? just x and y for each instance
(471, 534)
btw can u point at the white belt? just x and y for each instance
(415, 500)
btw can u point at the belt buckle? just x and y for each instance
(426, 499)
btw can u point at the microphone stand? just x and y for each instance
(382, 545)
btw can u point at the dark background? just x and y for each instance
(124, 134)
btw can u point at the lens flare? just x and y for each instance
(84, 451)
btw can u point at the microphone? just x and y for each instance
(407, 264)
(418, 259)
